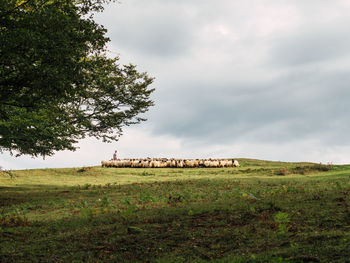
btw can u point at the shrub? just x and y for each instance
(283, 171)
(313, 168)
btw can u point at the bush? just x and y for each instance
(313, 168)
(283, 171)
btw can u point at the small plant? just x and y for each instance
(283, 220)
(105, 201)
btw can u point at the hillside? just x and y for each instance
(262, 211)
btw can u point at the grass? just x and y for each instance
(261, 212)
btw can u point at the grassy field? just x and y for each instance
(261, 212)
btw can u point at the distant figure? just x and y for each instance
(115, 155)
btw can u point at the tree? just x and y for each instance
(57, 84)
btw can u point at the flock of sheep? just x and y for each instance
(170, 163)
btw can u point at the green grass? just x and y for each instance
(261, 212)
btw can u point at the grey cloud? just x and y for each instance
(311, 44)
(147, 31)
(154, 39)
(280, 111)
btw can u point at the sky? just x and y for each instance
(234, 79)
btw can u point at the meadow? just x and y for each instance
(262, 211)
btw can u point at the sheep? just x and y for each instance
(180, 163)
(207, 163)
(229, 163)
(155, 164)
(145, 163)
(136, 163)
(109, 164)
(214, 164)
(222, 163)
(188, 163)
(171, 163)
(163, 164)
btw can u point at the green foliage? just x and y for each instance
(56, 83)
(13, 219)
(283, 220)
(105, 201)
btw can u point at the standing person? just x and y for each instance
(115, 155)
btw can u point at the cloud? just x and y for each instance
(145, 32)
(315, 44)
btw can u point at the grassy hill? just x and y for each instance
(261, 212)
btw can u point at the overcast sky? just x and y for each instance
(255, 79)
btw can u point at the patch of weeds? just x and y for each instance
(13, 219)
(105, 201)
(282, 219)
(145, 197)
(144, 173)
(175, 199)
